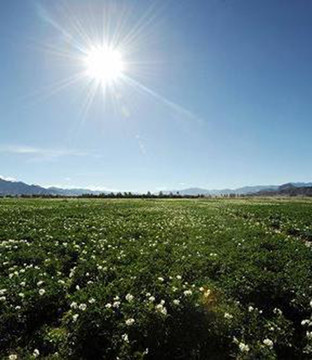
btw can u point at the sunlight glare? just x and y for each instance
(104, 64)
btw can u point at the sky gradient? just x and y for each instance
(217, 94)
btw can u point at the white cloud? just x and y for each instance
(38, 153)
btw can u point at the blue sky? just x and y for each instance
(217, 93)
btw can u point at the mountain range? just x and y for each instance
(17, 188)
(289, 189)
(267, 189)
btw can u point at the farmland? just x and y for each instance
(156, 279)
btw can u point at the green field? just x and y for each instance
(156, 279)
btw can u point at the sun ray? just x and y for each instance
(53, 89)
(46, 16)
(89, 98)
(105, 53)
(144, 23)
(178, 108)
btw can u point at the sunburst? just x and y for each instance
(100, 51)
(104, 64)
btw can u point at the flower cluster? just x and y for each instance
(127, 278)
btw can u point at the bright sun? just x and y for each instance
(104, 64)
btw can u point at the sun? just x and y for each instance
(104, 64)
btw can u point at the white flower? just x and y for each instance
(161, 279)
(2, 298)
(130, 322)
(179, 277)
(116, 304)
(21, 295)
(160, 308)
(129, 297)
(305, 322)
(91, 301)
(187, 292)
(243, 347)
(3, 291)
(72, 272)
(277, 311)
(207, 293)
(36, 353)
(125, 337)
(39, 283)
(73, 305)
(148, 294)
(151, 298)
(309, 335)
(108, 305)
(17, 307)
(42, 292)
(83, 307)
(23, 283)
(228, 316)
(250, 309)
(268, 342)
(164, 311)
(311, 303)
(13, 357)
(201, 289)
(176, 302)
(75, 317)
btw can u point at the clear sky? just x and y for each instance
(213, 93)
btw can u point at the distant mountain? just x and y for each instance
(289, 189)
(245, 190)
(252, 189)
(20, 188)
(74, 192)
(190, 191)
(301, 184)
(240, 191)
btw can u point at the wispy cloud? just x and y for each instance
(38, 153)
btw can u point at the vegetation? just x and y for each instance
(155, 279)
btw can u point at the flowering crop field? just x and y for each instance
(156, 279)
